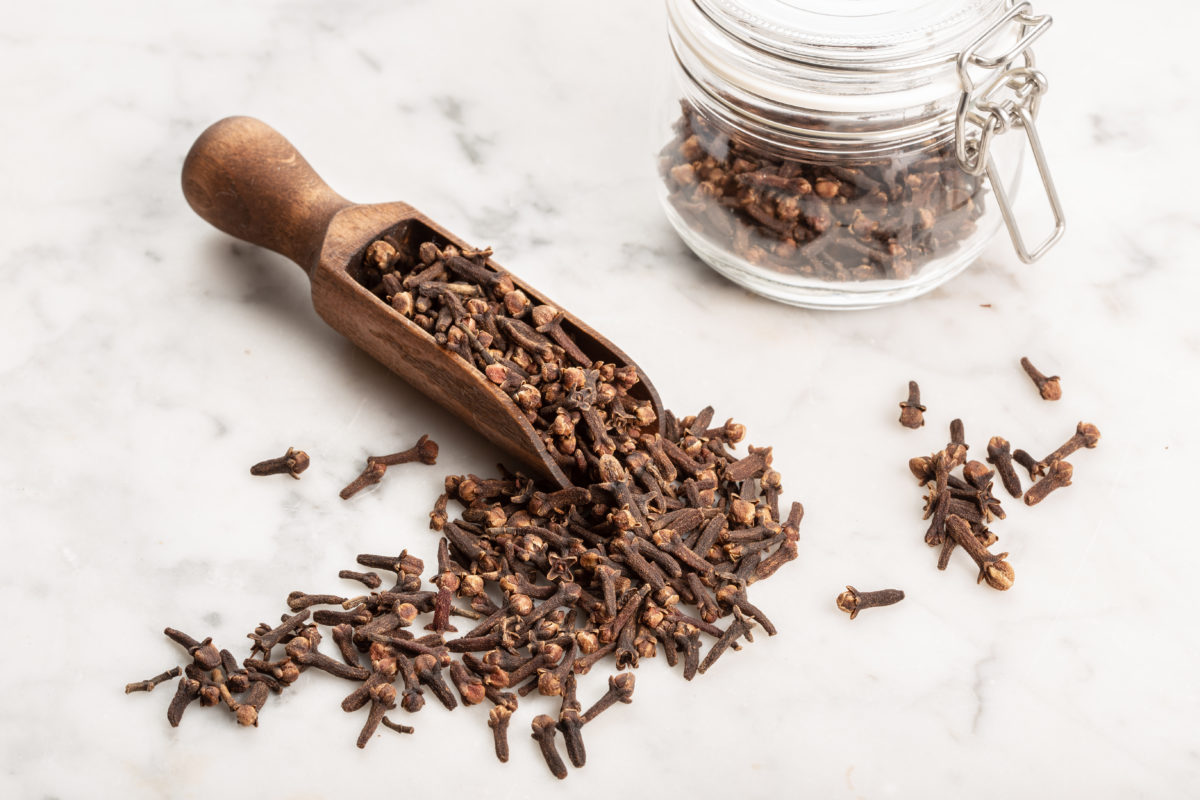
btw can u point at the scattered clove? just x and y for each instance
(498, 719)
(911, 411)
(1000, 457)
(398, 728)
(1027, 461)
(1058, 475)
(189, 690)
(993, 568)
(544, 729)
(424, 451)
(1048, 388)
(852, 601)
(1086, 435)
(149, 684)
(620, 690)
(293, 462)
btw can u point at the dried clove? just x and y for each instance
(1058, 475)
(204, 653)
(911, 411)
(620, 690)
(189, 690)
(1086, 435)
(383, 699)
(1000, 457)
(252, 704)
(398, 728)
(424, 451)
(293, 462)
(740, 628)
(304, 652)
(1027, 461)
(993, 568)
(369, 579)
(544, 729)
(852, 601)
(570, 722)
(498, 719)
(149, 684)
(1048, 387)
(297, 601)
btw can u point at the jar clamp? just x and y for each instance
(1008, 98)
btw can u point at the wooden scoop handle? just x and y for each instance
(246, 179)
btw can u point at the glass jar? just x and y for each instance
(843, 153)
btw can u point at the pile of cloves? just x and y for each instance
(657, 541)
(472, 308)
(871, 220)
(554, 583)
(960, 507)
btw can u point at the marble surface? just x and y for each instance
(147, 360)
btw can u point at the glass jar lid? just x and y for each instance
(842, 56)
(850, 34)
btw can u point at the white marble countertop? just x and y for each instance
(147, 361)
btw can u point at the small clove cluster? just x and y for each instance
(874, 219)
(960, 507)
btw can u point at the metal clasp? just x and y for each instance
(1008, 97)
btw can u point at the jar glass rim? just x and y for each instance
(856, 34)
(720, 52)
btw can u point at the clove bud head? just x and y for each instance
(999, 575)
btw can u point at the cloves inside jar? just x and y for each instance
(827, 158)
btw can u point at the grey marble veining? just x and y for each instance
(147, 360)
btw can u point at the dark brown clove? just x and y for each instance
(1058, 475)
(149, 684)
(397, 727)
(740, 628)
(544, 728)
(189, 690)
(302, 651)
(1086, 435)
(204, 654)
(1048, 387)
(993, 568)
(429, 672)
(852, 601)
(912, 413)
(369, 579)
(620, 690)
(293, 462)
(383, 699)
(1027, 461)
(424, 451)
(498, 719)
(1000, 457)
(570, 722)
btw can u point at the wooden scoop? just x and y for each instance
(247, 180)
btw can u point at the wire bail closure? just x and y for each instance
(1007, 98)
